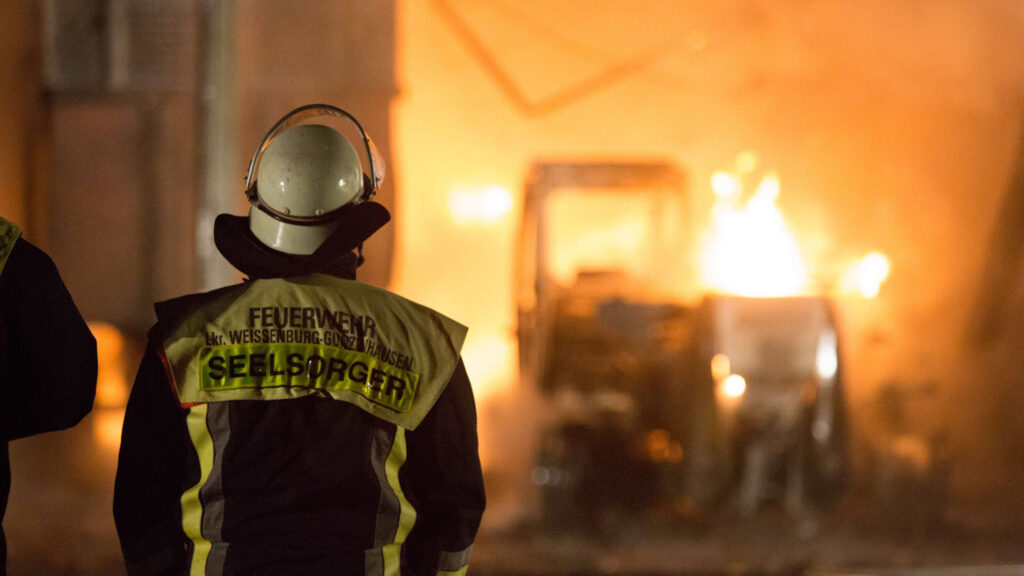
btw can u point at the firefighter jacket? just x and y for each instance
(47, 353)
(305, 425)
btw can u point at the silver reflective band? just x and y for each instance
(453, 561)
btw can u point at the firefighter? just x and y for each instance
(47, 353)
(300, 422)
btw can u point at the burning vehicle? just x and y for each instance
(660, 395)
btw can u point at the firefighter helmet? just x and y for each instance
(308, 175)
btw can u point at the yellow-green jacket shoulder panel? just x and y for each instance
(9, 234)
(276, 339)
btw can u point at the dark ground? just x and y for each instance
(59, 524)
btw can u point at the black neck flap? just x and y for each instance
(336, 256)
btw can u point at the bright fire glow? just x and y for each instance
(749, 250)
(480, 205)
(490, 360)
(866, 276)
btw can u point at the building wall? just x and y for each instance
(23, 126)
(126, 92)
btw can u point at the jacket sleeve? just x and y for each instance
(150, 474)
(47, 353)
(445, 482)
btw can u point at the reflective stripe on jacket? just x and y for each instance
(340, 373)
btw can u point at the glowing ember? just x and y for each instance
(731, 385)
(749, 250)
(734, 386)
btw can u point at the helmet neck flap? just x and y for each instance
(340, 254)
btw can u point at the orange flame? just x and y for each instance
(749, 249)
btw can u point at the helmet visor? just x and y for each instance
(300, 115)
(377, 168)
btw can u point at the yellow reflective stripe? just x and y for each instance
(191, 506)
(407, 515)
(460, 572)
